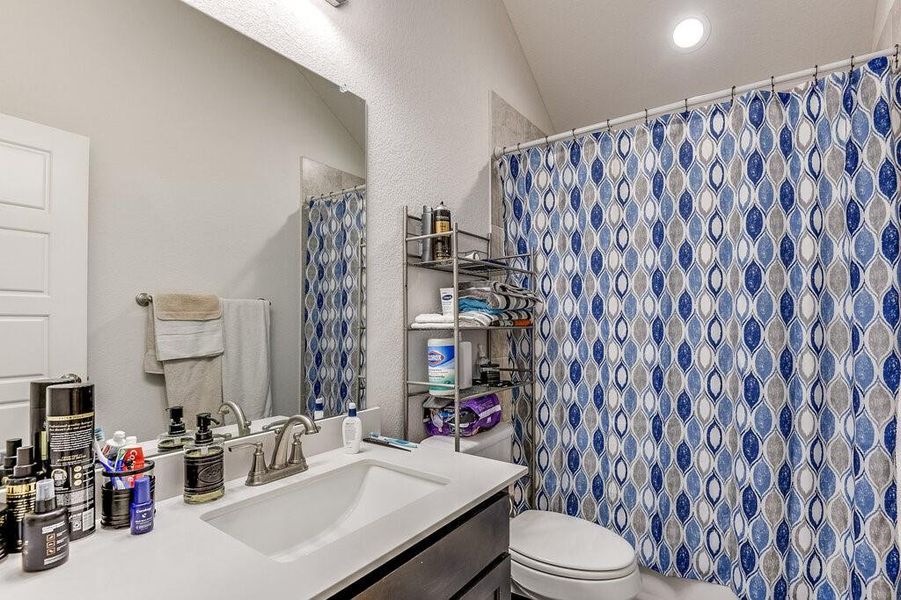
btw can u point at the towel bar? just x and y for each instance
(144, 299)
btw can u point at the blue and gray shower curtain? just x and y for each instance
(718, 355)
(334, 300)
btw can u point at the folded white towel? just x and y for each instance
(245, 363)
(433, 318)
(467, 319)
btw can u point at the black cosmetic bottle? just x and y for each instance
(20, 493)
(9, 459)
(45, 532)
(3, 514)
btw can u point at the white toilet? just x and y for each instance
(555, 556)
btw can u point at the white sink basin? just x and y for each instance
(297, 519)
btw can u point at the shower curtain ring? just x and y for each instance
(773, 85)
(733, 94)
(645, 116)
(608, 125)
(897, 48)
(686, 105)
(816, 74)
(852, 64)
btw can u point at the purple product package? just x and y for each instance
(476, 414)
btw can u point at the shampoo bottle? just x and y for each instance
(204, 465)
(45, 531)
(352, 429)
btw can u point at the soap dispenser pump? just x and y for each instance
(204, 464)
(177, 434)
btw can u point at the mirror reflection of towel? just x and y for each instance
(246, 360)
(184, 341)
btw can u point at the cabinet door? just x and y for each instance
(492, 585)
(441, 567)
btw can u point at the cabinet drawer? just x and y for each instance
(494, 584)
(443, 564)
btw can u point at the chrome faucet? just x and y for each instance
(235, 409)
(281, 465)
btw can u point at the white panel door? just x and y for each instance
(43, 261)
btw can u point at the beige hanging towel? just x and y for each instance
(185, 336)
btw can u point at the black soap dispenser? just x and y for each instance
(45, 531)
(204, 464)
(177, 435)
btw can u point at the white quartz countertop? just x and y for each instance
(186, 557)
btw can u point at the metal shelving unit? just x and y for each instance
(462, 267)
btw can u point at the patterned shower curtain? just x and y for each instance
(718, 359)
(334, 300)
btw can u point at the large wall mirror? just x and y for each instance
(187, 205)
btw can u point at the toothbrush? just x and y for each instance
(116, 481)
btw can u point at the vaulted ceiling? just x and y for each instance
(599, 59)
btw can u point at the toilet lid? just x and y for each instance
(560, 544)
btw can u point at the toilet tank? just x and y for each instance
(496, 443)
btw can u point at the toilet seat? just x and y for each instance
(572, 573)
(558, 556)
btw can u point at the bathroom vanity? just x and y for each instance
(379, 524)
(466, 559)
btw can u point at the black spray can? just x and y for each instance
(441, 223)
(37, 404)
(70, 440)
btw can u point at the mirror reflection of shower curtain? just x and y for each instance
(334, 298)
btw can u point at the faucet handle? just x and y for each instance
(258, 468)
(297, 457)
(274, 425)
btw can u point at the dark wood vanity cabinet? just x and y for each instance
(466, 559)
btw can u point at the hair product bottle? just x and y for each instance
(204, 465)
(45, 532)
(70, 437)
(2, 531)
(441, 223)
(20, 492)
(9, 459)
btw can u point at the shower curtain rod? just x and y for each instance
(645, 114)
(357, 188)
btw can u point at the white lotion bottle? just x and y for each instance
(319, 409)
(352, 429)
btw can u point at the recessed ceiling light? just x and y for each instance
(690, 33)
